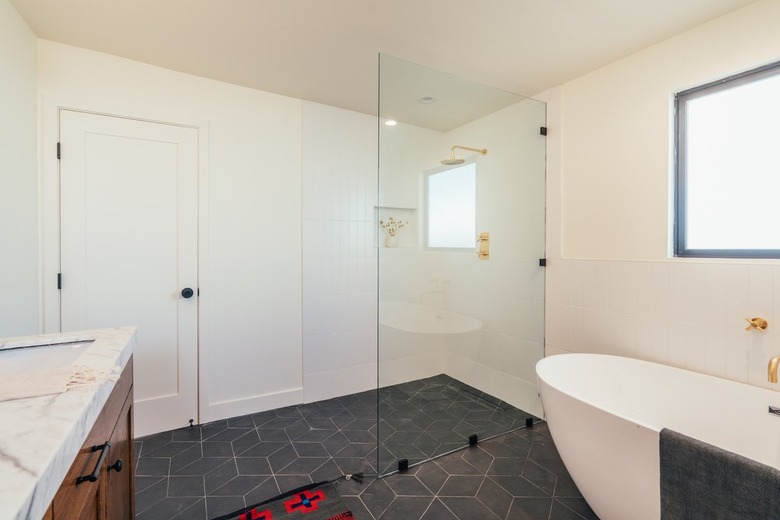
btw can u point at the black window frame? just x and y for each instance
(680, 163)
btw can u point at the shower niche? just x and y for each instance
(458, 335)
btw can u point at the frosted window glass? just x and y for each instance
(733, 168)
(452, 207)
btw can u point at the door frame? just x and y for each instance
(49, 210)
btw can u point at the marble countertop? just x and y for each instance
(41, 436)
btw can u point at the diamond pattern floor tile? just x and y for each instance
(202, 472)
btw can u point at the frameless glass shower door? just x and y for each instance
(460, 235)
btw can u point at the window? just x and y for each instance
(451, 205)
(728, 167)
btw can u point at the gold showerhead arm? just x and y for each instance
(483, 151)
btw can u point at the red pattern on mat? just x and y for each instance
(254, 514)
(305, 501)
(342, 516)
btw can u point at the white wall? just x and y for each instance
(339, 257)
(19, 287)
(613, 288)
(250, 221)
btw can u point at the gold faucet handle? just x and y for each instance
(759, 324)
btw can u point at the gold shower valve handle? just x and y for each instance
(759, 324)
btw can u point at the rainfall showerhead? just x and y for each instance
(452, 161)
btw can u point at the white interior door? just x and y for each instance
(128, 192)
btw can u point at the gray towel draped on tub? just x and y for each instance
(703, 482)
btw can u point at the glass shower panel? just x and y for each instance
(461, 313)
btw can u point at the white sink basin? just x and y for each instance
(39, 358)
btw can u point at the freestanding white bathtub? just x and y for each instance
(605, 413)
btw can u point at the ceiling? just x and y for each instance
(326, 50)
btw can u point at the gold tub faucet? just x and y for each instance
(771, 369)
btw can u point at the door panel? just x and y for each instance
(128, 193)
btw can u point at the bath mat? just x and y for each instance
(319, 501)
(700, 481)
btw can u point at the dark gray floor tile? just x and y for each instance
(454, 465)
(288, 482)
(302, 466)
(189, 486)
(565, 486)
(265, 448)
(153, 442)
(202, 466)
(354, 465)
(220, 475)
(263, 417)
(377, 496)
(253, 466)
(240, 485)
(540, 477)
(438, 511)
(512, 466)
(171, 448)
(210, 429)
(151, 466)
(468, 508)
(151, 495)
(192, 434)
(195, 512)
(315, 435)
(142, 483)
(217, 449)
(169, 508)
(186, 457)
(407, 485)
(265, 490)
(282, 457)
(218, 506)
(326, 472)
(496, 498)
(358, 508)
(229, 434)
(205, 459)
(310, 449)
(406, 508)
(243, 421)
(562, 512)
(432, 476)
(519, 487)
(579, 506)
(461, 486)
(478, 458)
(246, 441)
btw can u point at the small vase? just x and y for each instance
(390, 241)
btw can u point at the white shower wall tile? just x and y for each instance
(682, 313)
(339, 258)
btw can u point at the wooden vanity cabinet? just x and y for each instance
(111, 495)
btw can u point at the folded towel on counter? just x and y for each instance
(700, 481)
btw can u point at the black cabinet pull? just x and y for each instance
(116, 466)
(103, 448)
(187, 292)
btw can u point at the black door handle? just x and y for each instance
(116, 466)
(187, 292)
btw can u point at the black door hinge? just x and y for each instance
(543, 130)
(59, 151)
(59, 280)
(542, 262)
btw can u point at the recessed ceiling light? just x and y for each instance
(427, 100)
(391, 122)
